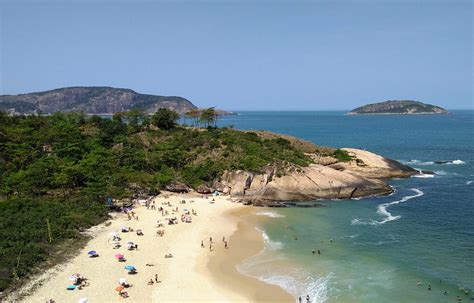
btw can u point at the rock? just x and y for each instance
(238, 182)
(204, 189)
(342, 180)
(177, 187)
(371, 165)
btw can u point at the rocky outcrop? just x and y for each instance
(91, 100)
(358, 178)
(371, 165)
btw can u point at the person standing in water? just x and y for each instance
(307, 298)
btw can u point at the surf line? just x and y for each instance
(382, 210)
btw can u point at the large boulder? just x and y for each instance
(237, 182)
(177, 187)
(204, 189)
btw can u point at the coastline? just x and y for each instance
(194, 273)
(223, 267)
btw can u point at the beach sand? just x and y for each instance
(193, 273)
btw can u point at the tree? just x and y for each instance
(194, 115)
(165, 118)
(134, 118)
(208, 116)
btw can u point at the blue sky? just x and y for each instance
(253, 55)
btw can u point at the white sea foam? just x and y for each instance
(422, 175)
(382, 210)
(269, 244)
(418, 162)
(302, 284)
(469, 182)
(270, 214)
(456, 162)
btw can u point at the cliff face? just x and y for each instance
(91, 100)
(398, 107)
(341, 180)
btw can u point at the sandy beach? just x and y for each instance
(194, 273)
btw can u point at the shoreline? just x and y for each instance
(194, 273)
(223, 267)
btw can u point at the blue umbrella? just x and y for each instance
(130, 267)
(71, 287)
(92, 252)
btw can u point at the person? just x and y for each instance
(313, 251)
(307, 298)
(319, 252)
(299, 299)
(429, 286)
(223, 238)
(330, 240)
(225, 245)
(156, 278)
(210, 239)
(150, 282)
(445, 293)
(210, 246)
(418, 283)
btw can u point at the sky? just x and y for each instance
(245, 55)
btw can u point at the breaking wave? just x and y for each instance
(382, 210)
(272, 245)
(303, 284)
(448, 162)
(269, 214)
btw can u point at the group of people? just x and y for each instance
(226, 244)
(458, 297)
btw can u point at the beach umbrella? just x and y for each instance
(119, 256)
(130, 267)
(123, 281)
(73, 278)
(83, 300)
(71, 287)
(119, 288)
(92, 252)
(130, 243)
(113, 234)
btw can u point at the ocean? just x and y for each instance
(376, 249)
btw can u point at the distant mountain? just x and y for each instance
(407, 107)
(90, 100)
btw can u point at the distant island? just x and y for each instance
(91, 100)
(398, 107)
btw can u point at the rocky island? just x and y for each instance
(91, 100)
(398, 107)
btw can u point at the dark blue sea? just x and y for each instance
(382, 246)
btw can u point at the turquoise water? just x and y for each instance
(381, 246)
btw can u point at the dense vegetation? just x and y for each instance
(57, 171)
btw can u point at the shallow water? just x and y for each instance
(383, 245)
